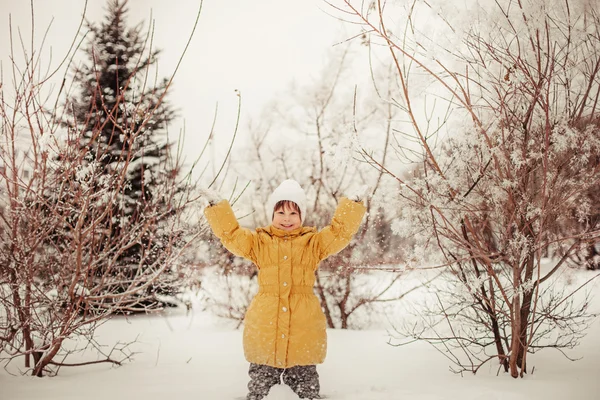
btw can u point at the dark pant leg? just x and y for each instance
(262, 379)
(304, 380)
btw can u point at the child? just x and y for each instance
(284, 330)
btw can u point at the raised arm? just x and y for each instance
(344, 225)
(240, 241)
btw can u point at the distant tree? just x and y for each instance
(110, 113)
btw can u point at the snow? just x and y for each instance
(197, 355)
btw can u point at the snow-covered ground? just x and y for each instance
(198, 356)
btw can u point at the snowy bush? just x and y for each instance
(497, 162)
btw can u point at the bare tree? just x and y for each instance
(59, 276)
(504, 181)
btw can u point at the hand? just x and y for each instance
(359, 194)
(211, 196)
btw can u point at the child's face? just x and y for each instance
(286, 218)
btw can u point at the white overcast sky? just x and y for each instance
(256, 46)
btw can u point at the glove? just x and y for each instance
(359, 194)
(212, 197)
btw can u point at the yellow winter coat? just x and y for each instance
(284, 325)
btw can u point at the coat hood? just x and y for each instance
(272, 231)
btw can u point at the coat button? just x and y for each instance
(282, 336)
(284, 283)
(284, 309)
(285, 257)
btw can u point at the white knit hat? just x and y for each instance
(288, 190)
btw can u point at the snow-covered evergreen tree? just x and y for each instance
(123, 121)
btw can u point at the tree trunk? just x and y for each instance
(44, 361)
(515, 324)
(498, 340)
(496, 327)
(344, 302)
(525, 311)
(24, 319)
(489, 305)
(324, 305)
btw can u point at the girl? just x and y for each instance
(284, 327)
